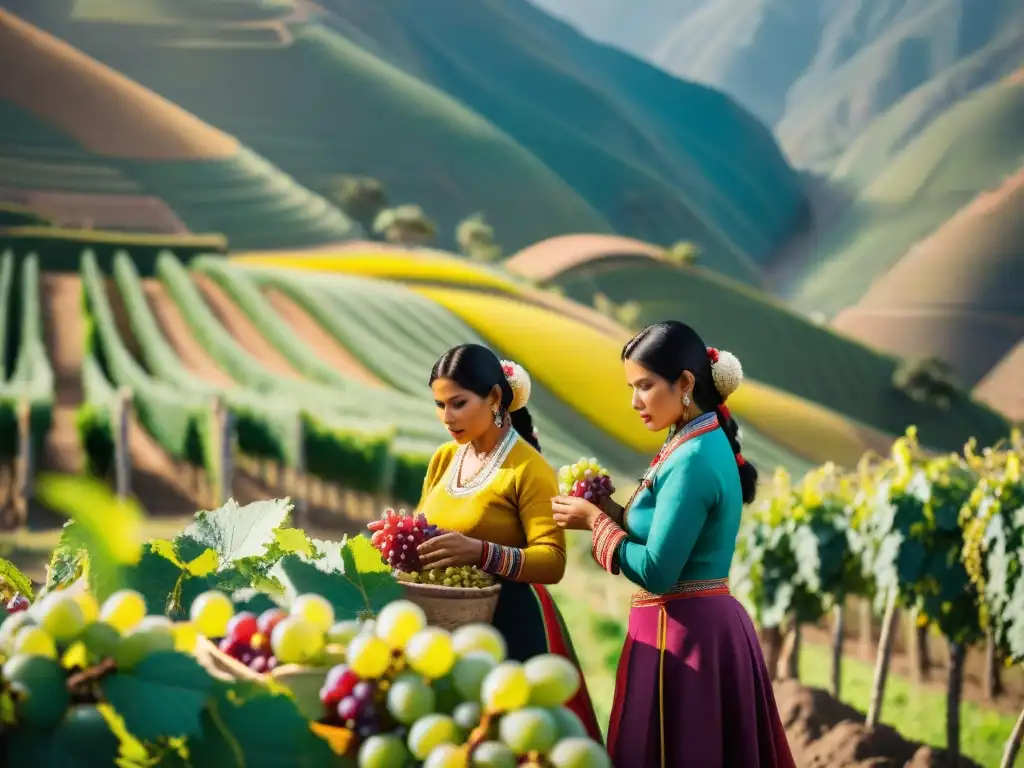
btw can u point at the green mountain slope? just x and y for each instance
(819, 72)
(779, 347)
(657, 155)
(969, 149)
(492, 106)
(957, 295)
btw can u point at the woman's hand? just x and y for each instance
(450, 549)
(574, 513)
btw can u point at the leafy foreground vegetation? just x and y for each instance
(942, 537)
(318, 660)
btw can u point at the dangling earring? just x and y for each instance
(498, 419)
(686, 407)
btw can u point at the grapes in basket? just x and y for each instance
(586, 479)
(398, 534)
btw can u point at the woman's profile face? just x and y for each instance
(658, 402)
(465, 414)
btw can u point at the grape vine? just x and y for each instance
(241, 642)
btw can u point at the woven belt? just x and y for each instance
(680, 591)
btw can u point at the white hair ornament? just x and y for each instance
(726, 371)
(519, 380)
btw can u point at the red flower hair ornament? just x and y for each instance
(519, 380)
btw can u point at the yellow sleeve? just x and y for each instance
(436, 468)
(542, 560)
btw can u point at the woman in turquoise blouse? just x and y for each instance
(692, 687)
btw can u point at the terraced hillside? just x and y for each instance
(823, 74)
(778, 347)
(969, 150)
(85, 145)
(404, 88)
(956, 296)
(811, 393)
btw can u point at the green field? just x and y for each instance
(779, 347)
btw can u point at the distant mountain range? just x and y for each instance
(490, 106)
(819, 72)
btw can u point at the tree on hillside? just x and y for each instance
(626, 314)
(928, 380)
(683, 253)
(362, 198)
(406, 224)
(476, 238)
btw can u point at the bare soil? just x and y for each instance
(189, 351)
(825, 733)
(241, 328)
(316, 337)
(103, 110)
(551, 257)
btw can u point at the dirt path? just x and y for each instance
(61, 300)
(240, 327)
(319, 340)
(156, 480)
(174, 328)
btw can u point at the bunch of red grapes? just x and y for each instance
(586, 479)
(397, 535)
(356, 704)
(248, 639)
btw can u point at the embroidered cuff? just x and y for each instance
(607, 536)
(614, 511)
(506, 562)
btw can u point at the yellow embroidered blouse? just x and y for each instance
(507, 506)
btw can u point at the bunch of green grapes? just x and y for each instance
(418, 695)
(468, 576)
(305, 634)
(586, 479)
(66, 632)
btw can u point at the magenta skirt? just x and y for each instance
(692, 687)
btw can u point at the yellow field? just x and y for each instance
(581, 366)
(212, 242)
(388, 265)
(576, 362)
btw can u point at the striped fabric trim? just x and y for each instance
(606, 538)
(506, 562)
(559, 642)
(680, 591)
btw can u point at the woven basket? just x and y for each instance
(453, 607)
(302, 682)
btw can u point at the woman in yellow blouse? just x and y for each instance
(491, 490)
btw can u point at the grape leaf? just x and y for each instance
(234, 532)
(163, 696)
(65, 747)
(349, 574)
(264, 731)
(13, 581)
(107, 527)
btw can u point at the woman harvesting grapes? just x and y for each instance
(490, 491)
(692, 687)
